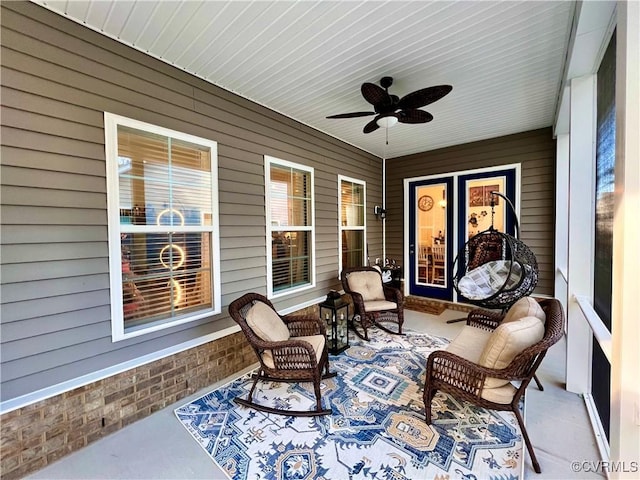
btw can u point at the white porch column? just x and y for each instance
(625, 364)
(562, 218)
(581, 229)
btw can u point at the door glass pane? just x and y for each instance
(431, 225)
(478, 205)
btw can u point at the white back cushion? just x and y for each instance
(266, 323)
(507, 341)
(368, 284)
(525, 307)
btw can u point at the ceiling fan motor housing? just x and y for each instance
(386, 82)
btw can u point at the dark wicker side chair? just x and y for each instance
(459, 370)
(375, 302)
(290, 348)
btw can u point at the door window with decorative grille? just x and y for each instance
(163, 227)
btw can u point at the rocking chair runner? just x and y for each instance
(290, 349)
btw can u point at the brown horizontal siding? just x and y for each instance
(534, 150)
(58, 79)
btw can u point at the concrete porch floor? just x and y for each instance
(159, 447)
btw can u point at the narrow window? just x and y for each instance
(289, 192)
(163, 227)
(352, 208)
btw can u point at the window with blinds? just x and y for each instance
(351, 208)
(163, 222)
(289, 192)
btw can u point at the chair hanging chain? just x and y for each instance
(493, 206)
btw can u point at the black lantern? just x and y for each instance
(335, 313)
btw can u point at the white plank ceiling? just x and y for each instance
(308, 59)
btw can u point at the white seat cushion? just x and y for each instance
(379, 305)
(525, 307)
(316, 341)
(469, 343)
(266, 323)
(488, 279)
(503, 394)
(368, 284)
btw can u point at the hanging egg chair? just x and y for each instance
(495, 269)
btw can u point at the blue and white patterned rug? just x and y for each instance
(376, 429)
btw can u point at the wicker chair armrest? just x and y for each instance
(453, 369)
(393, 294)
(485, 319)
(358, 301)
(304, 326)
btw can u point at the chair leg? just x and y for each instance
(428, 398)
(363, 324)
(328, 373)
(316, 388)
(527, 441)
(253, 387)
(540, 387)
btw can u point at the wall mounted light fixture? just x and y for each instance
(379, 212)
(443, 202)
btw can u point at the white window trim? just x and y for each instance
(268, 161)
(118, 333)
(343, 178)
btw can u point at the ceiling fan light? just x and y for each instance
(387, 122)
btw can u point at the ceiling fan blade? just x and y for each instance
(374, 94)
(372, 126)
(352, 115)
(424, 96)
(414, 116)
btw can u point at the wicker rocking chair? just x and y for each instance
(375, 303)
(290, 349)
(481, 363)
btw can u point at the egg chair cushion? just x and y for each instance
(488, 279)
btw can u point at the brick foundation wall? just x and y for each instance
(41, 433)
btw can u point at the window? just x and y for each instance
(163, 227)
(352, 208)
(289, 197)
